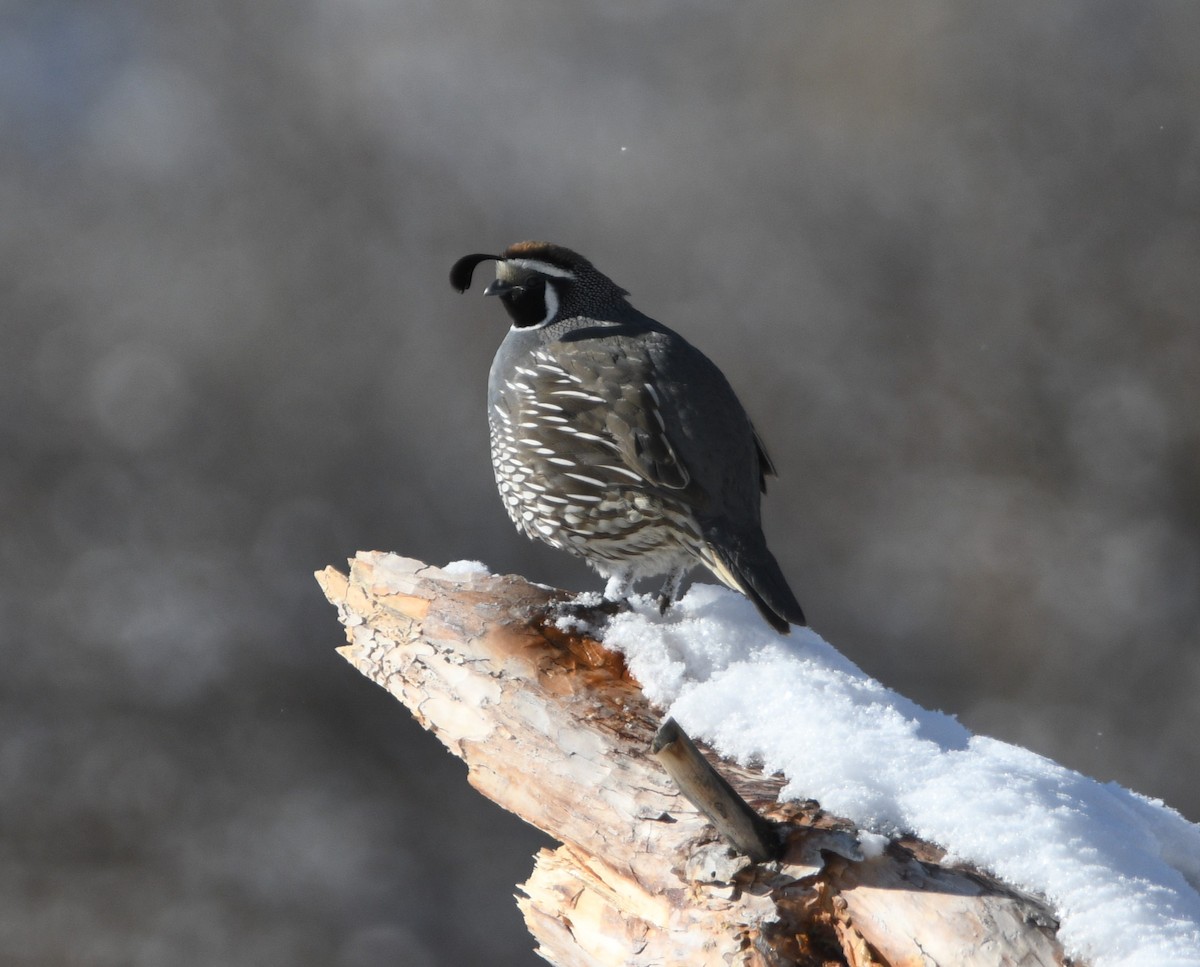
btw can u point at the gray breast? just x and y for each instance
(579, 452)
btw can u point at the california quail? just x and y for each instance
(615, 439)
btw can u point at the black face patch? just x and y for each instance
(529, 303)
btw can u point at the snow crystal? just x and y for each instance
(1121, 871)
(466, 569)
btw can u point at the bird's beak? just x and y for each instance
(500, 287)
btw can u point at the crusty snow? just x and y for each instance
(1121, 871)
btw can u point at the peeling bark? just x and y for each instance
(553, 728)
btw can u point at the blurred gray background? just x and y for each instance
(949, 255)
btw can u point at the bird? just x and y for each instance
(615, 439)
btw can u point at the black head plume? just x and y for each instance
(464, 269)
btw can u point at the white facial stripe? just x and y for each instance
(542, 268)
(551, 305)
(551, 311)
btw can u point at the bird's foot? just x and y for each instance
(670, 590)
(618, 587)
(586, 610)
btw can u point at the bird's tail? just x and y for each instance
(749, 567)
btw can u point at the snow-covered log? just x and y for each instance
(554, 728)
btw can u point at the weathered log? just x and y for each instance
(553, 728)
